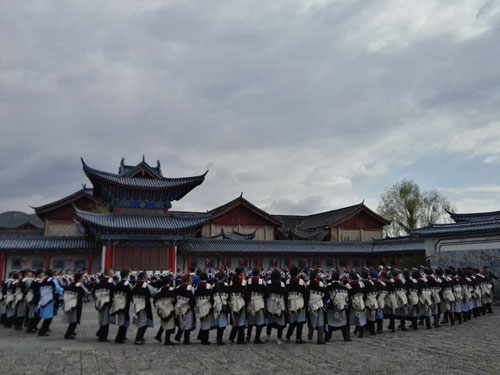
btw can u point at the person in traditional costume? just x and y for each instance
(275, 305)
(490, 291)
(434, 285)
(298, 296)
(357, 309)
(20, 291)
(72, 305)
(141, 299)
(316, 306)
(204, 302)
(486, 291)
(221, 305)
(458, 292)
(32, 298)
(120, 308)
(237, 303)
(447, 303)
(103, 301)
(425, 300)
(164, 302)
(468, 289)
(390, 298)
(256, 289)
(10, 299)
(50, 292)
(381, 297)
(400, 289)
(184, 309)
(413, 292)
(371, 301)
(337, 308)
(3, 309)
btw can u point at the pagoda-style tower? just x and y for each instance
(138, 228)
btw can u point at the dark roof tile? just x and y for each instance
(140, 221)
(45, 243)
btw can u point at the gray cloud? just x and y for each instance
(288, 101)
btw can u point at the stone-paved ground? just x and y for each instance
(470, 348)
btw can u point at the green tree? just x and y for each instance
(407, 206)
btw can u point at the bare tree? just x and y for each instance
(407, 206)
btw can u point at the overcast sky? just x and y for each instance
(304, 105)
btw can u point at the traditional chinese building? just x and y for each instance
(125, 221)
(473, 240)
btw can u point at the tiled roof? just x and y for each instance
(323, 219)
(456, 228)
(45, 243)
(318, 234)
(218, 211)
(400, 244)
(141, 182)
(474, 217)
(138, 222)
(202, 246)
(85, 192)
(234, 235)
(130, 170)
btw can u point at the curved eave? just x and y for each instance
(457, 229)
(101, 177)
(66, 200)
(84, 218)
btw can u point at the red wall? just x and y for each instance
(67, 212)
(240, 215)
(361, 220)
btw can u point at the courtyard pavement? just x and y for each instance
(470, 348)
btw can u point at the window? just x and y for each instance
(37, 264)
(16, 264)
(58, 264)
(80, 264)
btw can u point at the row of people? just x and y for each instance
(251, 302)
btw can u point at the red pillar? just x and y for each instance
(91, 260)
(47, 260)
(172, 257)
(258, 262)
(2, 264)
(108, 257)
(224, 260)
(289, 262)
(397, 260)
(189, 262)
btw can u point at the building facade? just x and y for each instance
(473, 240)
(126, 221)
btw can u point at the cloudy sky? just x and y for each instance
(304, 105)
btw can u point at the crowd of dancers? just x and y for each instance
(248, 301)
